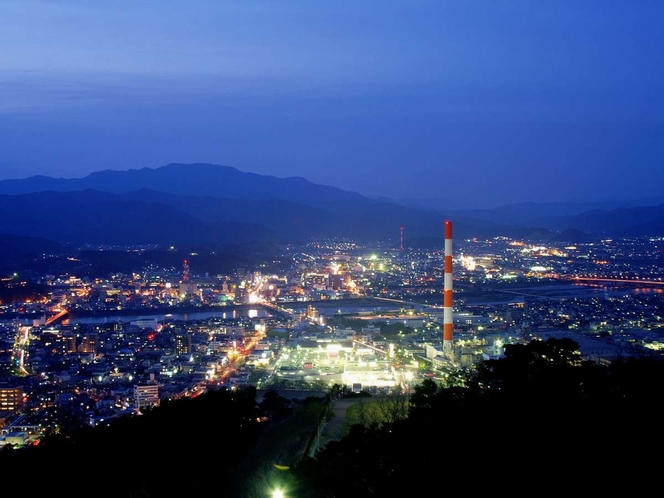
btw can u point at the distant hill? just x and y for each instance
(211, 204)
(532, 212)
(623, 222)
(91, 217)
(18, 253)
(200, 197)
(17, 245)
(197, 179)
(529, 212)
(147, 217)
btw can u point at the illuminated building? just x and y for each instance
(146, 396)
(183, 343)
(57, 342)
(88, 343)
(11, 398)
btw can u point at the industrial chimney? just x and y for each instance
(448, 316)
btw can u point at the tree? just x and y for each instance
(423, 395)
(275, 406)
(338, 391)
(541, 414)
(539, 372)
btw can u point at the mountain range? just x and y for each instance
(206, 204)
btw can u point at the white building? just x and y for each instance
(146, 396)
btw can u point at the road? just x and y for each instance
(20, 346)
(337, 426)
(61, 314)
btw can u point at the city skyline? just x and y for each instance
(489, 104)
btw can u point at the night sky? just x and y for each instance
(479, 102)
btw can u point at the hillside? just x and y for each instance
(204, 204)
(538, 413)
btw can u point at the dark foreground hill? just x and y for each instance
(186, 447)
(540, 420)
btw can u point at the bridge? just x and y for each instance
(402, 302)
(631, 281)
(275, 307)
(58, 316)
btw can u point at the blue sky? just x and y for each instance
(473, 102)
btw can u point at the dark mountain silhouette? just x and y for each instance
(16, 245)
(364, 219)
(531, 212)
(147, 217)
(623, 222)
(200, 197)
(214, 261)
(23, 254)
(98, 218)
(196, 179)
(211, 204)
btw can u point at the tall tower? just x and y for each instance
(448, 314)
(185, 271)
(401, 247)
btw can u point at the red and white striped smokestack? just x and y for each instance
(448, 316)
(401, 247)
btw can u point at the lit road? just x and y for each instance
(236, 359)
(62, 313)
(20, 345)
(382, 351)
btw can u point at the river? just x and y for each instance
(228, 314)
(164, 317)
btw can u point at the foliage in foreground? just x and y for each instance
(184, 447)
(540, 419)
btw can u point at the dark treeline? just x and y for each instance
(213, 259)
(539, 421)
(184, 447)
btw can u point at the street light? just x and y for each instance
(277, 493)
